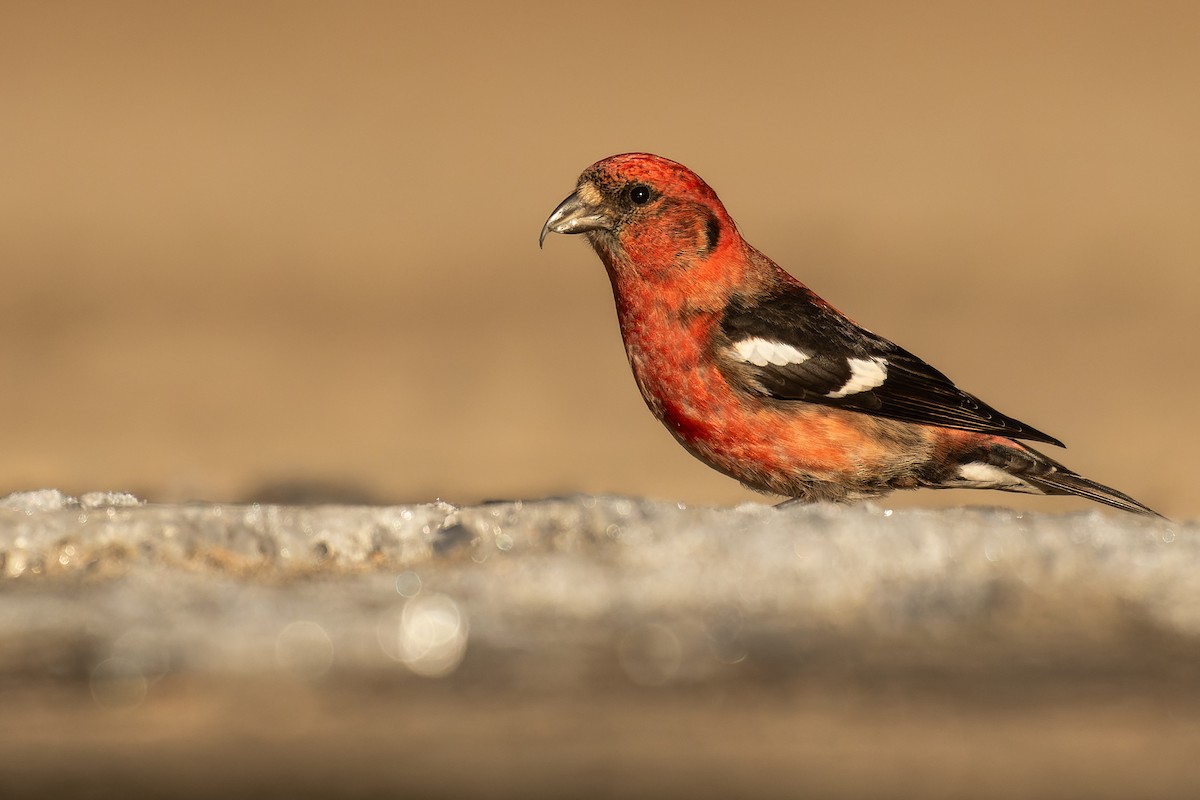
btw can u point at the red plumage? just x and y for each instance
(765, 381)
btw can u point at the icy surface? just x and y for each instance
(593, 647)
(117, 593)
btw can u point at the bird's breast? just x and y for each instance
(666, 346)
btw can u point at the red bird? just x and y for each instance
(760, 378)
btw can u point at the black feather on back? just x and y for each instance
(913, 391)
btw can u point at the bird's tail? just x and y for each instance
(1015, 467)
(1066, 482)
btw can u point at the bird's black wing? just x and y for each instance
(790, 345)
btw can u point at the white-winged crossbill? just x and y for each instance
(760, 378)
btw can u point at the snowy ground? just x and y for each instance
(596, 646)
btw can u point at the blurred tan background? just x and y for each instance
(248, 245)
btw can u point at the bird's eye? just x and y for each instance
(639, 194)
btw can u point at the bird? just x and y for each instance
(765, 381)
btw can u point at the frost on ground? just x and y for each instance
(593, 647)
(116, 592)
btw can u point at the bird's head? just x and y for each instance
(646, 213)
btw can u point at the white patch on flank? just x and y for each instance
(761, 352)
(976, 472)
(865, 374)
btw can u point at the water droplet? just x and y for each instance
(728, 652)
(117, 683)
(408, 584)
(16, 563)
(429, 635)
(650, 654)
(504, 542)
(304, 649)
(993, 551)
